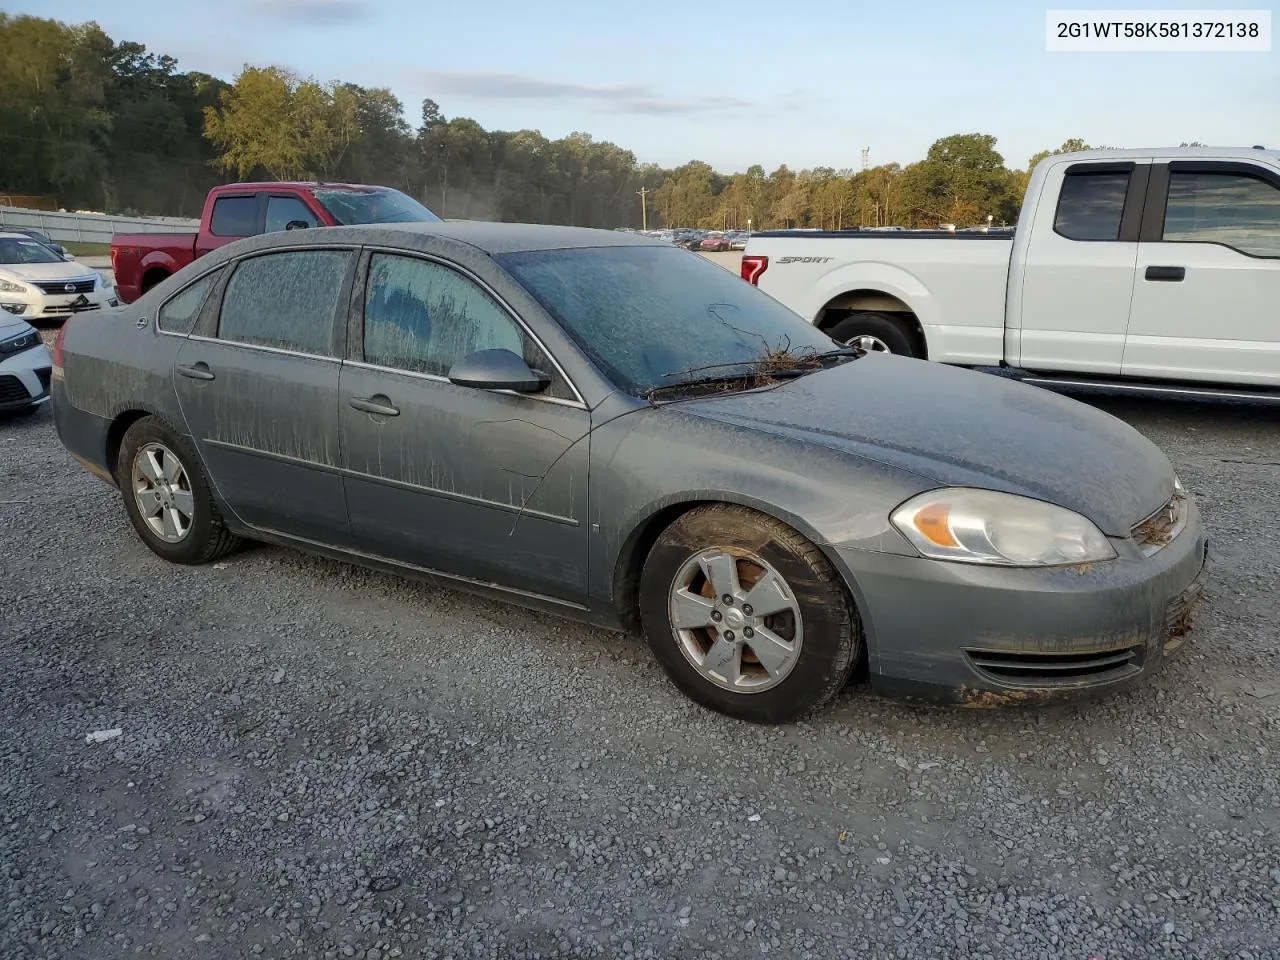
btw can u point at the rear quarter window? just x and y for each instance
(180, 312)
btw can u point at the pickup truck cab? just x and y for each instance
(1158, 269)
(237, 210)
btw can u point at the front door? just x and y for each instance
(260, 396)
(1208, 279)
(1071, 296)
(486, 485)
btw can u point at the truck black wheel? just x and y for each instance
(869, 331)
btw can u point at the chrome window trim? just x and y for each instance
(262, 347)
(436, 378)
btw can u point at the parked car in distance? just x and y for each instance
(714, 243)
(232, 212)
(37, 285)
(25, 366)
(443, 400)
(1153, 271)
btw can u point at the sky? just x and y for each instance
(732, 82)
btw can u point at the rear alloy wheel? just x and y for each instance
(746, 616)
(868, 331)
(167, 496)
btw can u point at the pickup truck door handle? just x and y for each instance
(1171, 274)
(196, 371)
(379, 405)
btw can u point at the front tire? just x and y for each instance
(746, 616)
(869, 331)
(167, 495)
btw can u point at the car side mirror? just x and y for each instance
(67, 256)
(296, 225)
(497, 370)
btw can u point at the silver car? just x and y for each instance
(597, 424)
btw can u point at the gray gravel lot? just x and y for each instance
(318, 761)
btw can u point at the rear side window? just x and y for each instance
(281, 211)
(234, 217)
(179, 314)
(1091, 205)
(1232, 209)
(285, 300)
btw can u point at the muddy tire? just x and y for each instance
(874, 332)
(167, 495)
(747, 616)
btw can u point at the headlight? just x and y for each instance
(983, 526)
(9, 286)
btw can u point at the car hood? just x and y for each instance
(62, 270)
(961, 428)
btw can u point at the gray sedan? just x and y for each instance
(597, 424)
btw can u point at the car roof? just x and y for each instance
(491, 238)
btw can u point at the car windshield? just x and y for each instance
(22, 250)
(656, 316)
(383, 205)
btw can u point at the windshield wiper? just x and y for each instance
(781, 366)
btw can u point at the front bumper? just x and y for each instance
(987, 636)
(34, 305)
(24, 378)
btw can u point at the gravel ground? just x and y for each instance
(317, 761)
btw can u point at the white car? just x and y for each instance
(25, 366)
(36, 284)
(1146, 271)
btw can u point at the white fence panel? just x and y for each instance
(88, 227)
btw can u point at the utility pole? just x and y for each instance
(644, 208)
(866, 153)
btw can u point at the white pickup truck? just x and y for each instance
(1148, 270)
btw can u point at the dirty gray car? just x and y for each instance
(600, 425)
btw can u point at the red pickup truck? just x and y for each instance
(141, 260)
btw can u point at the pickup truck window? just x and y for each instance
(281, 211)
(285, 300)
(234, 217)
(1233, 209)
(1090, 205)
(179, 314)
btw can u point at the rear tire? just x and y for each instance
(785, 644)
(873, 332)
(167, 495)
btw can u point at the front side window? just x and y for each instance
(285, 300)
(1091, 205)
(1232, 209)
(421, 316)
(282, 211)
(179, 314)
(234, 217)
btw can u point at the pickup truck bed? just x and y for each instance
(141, 260)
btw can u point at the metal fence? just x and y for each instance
(88, 227)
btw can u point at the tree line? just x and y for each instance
(106, 125)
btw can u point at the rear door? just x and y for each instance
(1208, 268)
(259, 390)
(1070, 295)
(232, 217)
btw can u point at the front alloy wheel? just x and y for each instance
(746, 615)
